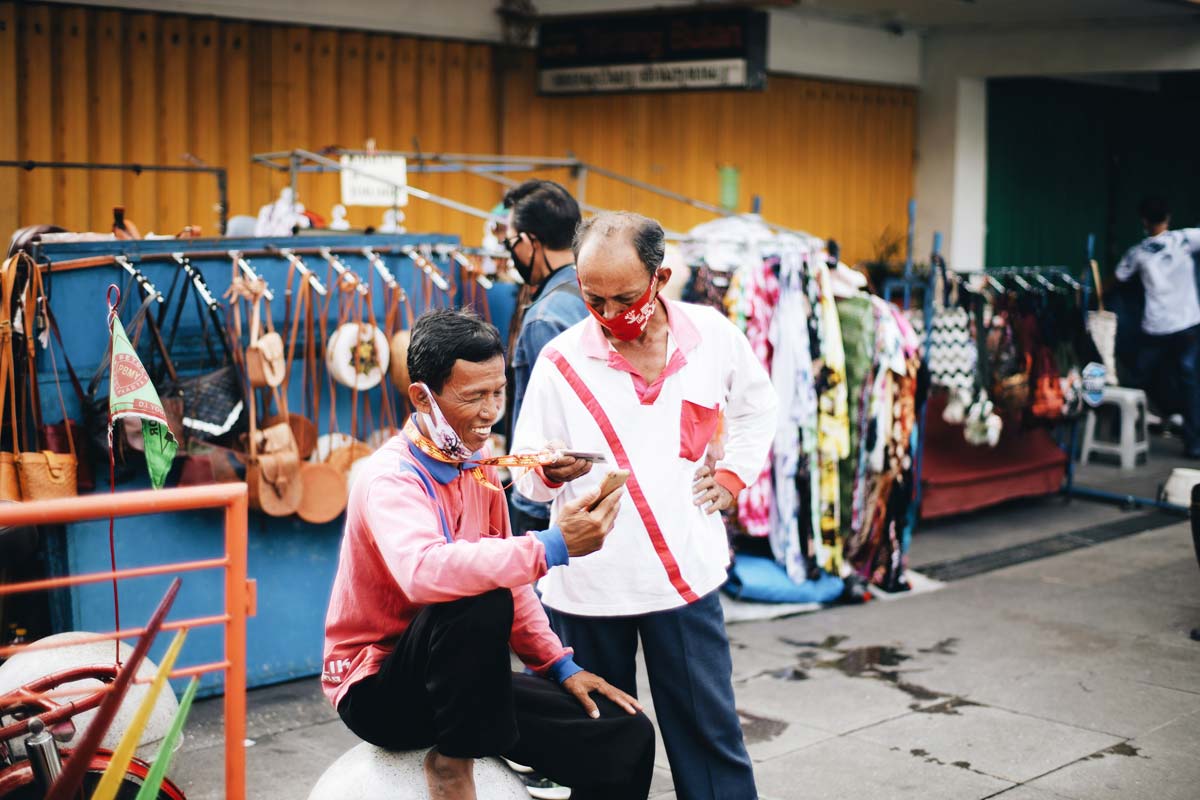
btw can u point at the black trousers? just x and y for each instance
(449, 684)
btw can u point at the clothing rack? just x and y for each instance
(905, 285)
(1070, 443)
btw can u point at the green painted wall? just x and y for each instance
(1068, 159)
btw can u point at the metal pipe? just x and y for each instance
(220, 173)
(1125, 500)
(44, 758)
(121, 504)
(197, 280)
(124, 263)
(342, 270)
(240, 602)
(249, 272)
(303, 269)
(377, 262)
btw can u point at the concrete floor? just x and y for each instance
(1071, 676)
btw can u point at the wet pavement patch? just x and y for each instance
(866, 659)
(758, 729)
(1122, 749)
(942, 648)
(788, 674)
(950, 707)
(830, 642)
(924, 755)
(870, 662)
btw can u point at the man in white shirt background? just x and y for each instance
(673, 393)
(1170, 340)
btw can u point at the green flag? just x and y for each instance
(131, 394)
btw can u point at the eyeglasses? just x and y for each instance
(511, 242)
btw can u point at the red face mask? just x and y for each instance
(630, 323)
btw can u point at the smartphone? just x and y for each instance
(585, 455)
(612, 481)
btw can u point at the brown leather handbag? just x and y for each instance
(265, 363)
(69, 436)
(303, 427)
(41, 474)
(273, 466)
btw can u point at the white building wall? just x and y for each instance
(952, 110)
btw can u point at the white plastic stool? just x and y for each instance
(1135, 436)
(366, 772)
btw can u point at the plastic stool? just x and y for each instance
(1135, 436)
(366, 772)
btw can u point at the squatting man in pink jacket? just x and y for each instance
(432, 590)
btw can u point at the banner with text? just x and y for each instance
(380, 181)
(660, 51)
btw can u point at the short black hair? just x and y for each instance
(546, 210)
(1154, 210)
(646, 235)
(445, 335)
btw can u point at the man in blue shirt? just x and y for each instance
(542, 217)
(1170, 338)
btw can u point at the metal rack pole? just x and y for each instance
(219, 173)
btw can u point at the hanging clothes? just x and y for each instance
(795, 447)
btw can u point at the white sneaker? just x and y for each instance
(520, 769)
(544, 788)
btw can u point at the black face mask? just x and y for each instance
(524, 270)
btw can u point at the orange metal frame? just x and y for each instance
(240, 595)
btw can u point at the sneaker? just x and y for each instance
(544, 788)
(520, 769)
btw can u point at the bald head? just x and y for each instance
(623, 229)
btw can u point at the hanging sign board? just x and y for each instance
(658, 51)
(362, 187)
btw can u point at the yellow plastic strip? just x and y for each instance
(110, 781)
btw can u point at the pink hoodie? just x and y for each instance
(395, 561)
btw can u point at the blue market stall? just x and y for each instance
(292, 561)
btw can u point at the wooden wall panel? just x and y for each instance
(140, 144)
(832, 158)
(34, 89)
(235, 117)
(174, 211)
(10, 200)
(323, 74)
(72, 128)
(204, 122)
(106, 88)
(301, 111)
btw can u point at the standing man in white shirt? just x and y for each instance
(673, 393)
(1171, 322)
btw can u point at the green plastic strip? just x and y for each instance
(162, 760)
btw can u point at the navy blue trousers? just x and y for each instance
(1176, 354)
(691, 680)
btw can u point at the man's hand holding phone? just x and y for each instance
(570, 464)
(586, 521)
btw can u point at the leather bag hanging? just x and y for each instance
(42, 474)
(67, 436)
(214, 401)
(266, 366)
(326, 491)
(357, 353)
(10, 484)
(304, 429)
(1010, 367)
(273, 466)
